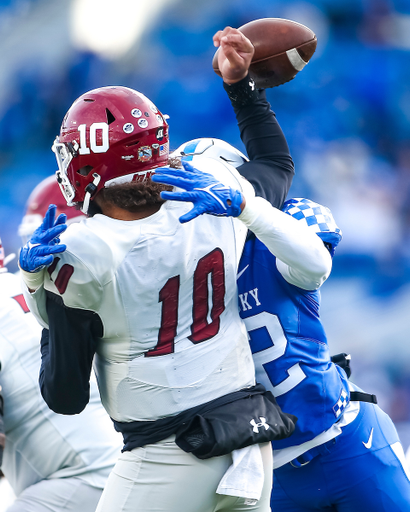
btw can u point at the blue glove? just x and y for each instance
(206, 192)
(44, 242)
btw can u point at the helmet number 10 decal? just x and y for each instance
(94, 147)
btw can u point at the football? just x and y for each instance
(282, 49)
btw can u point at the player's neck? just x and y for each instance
(115, 212)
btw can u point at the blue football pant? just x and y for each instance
(350, 477)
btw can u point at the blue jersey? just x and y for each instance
(289, 345)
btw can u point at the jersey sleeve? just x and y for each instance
(67, 277)
(76, 275)
(36, 302)
(301, 257)
(270, 169)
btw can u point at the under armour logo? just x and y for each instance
(252, 85)
(257, 426)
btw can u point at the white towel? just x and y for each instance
(245, 477)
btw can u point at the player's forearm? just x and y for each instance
(306, 263)
(67, 352)
(61, 386)
(259, 128)
(270, 169)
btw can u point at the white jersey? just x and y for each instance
(39, 443)
(167, 298)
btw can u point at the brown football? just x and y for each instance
(282, 49)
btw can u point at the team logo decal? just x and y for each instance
(136, 112)
(160, 133)
(144, 154)
(159, 118)
(341, 404)
(128, 127)
(153, 108)
(142, 176)
(142, 123)
(261, 424)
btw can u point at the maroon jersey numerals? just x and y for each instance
(63, 276)
(211, 265)
(210, 268)
(168, 295)
(22, 302)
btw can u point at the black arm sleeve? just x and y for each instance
(270, 169)
(67, 352)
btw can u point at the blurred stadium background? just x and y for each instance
(346, 117)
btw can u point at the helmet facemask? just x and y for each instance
(64, 154)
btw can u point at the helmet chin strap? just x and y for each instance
(90, 190)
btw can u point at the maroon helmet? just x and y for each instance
(109, 135)
(46, 192)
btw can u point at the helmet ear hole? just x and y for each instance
(85, 171)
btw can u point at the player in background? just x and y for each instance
(52, 462)
(345, 453)
(45, 193)
(133, 289)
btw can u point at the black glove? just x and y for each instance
(343, 360)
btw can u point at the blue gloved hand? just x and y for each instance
(206, 192)
(44, 242)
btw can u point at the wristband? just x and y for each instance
(251, 211)
(243, 92)
(33, 280)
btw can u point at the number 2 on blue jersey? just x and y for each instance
(279, 342)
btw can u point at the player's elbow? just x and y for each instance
(320, 269)
(64, 402)
(66, 408)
